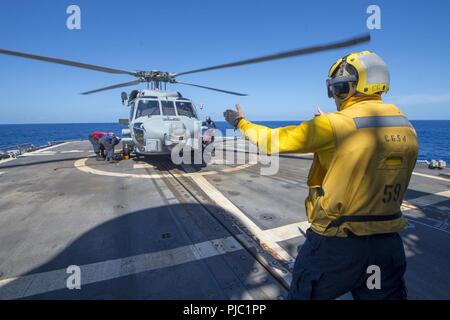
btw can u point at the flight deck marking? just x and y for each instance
(166, 192)
(39, 283)
(430, 176)
(35, 152)
(251, 234)
(73, 151)
(288, 231)
(235, 147)
(412, 209)
(427, 225)
(221, 161)
(38, 154)
(422, 201)
(51, 147)
(430, 199)
(142, 165)
(82, 166)
(234, 169)
(291, 231)
(227, 205)
(50, 153)
(7, 160)
(297, 155)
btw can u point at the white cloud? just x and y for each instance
(420, 99)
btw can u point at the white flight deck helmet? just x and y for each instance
(365, 69)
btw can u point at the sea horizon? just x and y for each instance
(431, 145)
(113, 122)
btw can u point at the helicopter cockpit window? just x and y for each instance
(185, 109)
(168, 108)
(148, 108)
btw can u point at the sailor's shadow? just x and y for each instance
(149, 231)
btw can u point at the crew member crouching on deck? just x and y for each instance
(108, 142)
(99, 150)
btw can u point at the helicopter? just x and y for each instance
(160, 120)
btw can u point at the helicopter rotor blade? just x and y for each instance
(286, 54)
(120, 85)
(214, 89)
(65, 62)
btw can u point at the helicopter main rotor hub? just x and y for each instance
(155, 76)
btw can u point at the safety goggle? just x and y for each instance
(339, 86)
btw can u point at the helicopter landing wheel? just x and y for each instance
(126, 151)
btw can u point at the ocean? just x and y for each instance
(434, 142)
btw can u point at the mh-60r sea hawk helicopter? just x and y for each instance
(159, 119)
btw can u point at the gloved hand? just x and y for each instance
(233, 117)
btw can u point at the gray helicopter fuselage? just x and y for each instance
(160, 120)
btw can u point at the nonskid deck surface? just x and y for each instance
(146, 229)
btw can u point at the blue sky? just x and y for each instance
(182, 35)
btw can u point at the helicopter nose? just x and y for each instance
(177, 129)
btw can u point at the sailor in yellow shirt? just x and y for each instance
(364, 155)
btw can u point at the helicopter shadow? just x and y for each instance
(165, 163)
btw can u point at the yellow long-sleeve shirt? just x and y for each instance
(314, 136)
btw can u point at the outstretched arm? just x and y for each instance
(309, 136)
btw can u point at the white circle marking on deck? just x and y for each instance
(82, 166)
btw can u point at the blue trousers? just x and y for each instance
(328, 267)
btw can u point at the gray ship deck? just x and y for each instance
(150, 230)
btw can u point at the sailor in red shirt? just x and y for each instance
(99, 150)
